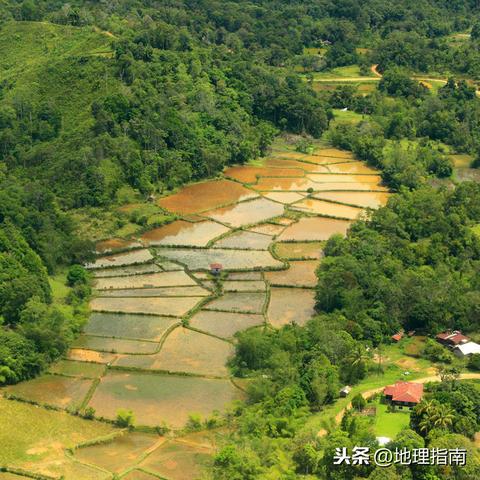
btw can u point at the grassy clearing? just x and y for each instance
(31, 433)
(348, 71)
(347, 117)
(389, 424)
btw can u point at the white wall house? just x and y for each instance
(466, 349)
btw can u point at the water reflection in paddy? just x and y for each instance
(362, 199)
(248, 174)
(246, 213)
(185, 233)
(204, 196)
(329, 209)
(314, 228)
(290, 305)
(243, 239)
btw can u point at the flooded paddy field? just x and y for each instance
(126, 271)
(204, 196)
(345, 178)
(299, 251)
(169, 306)
(306, 166)
(182, 233)
(238, 302)
(179, 461)
(144, 327)
(246, 213)
(114, 345)
(123, 259)
(292, 184)
(225, 324)
(268, 229)
(185, 351)
(115, 244)
(314, 228)
(247, 174)
(328, 209)
(290, 305)
(243, 286)
(244, 240)
(149, 280)
(284, 197)
(300, 274)
(245, 276)
(360, 199)
(55, 390)
(186, 291)
(119, 453)
(351, 167)
(77, 369)
(201, 259)
(162, 398)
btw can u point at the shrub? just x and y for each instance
(125, 418)
(358, 402)
(77, 275)
(89, 413)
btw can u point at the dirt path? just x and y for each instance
(374, 70)
(368, 393)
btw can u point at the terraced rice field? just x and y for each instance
(161, 398)
(185, 351)
(246, 213)
(300, 274)
(142, 327)
(201, 259)
(118, 454)
(183, 291)
(115, 345)
(244, 240)
(238, 302)
(55, 390)
(328, 209)
(175, 307)
(314, 229)
(123, 259)
(299, 250)
(225, 324)
(162, 328)
(184, 233)
(150, 280)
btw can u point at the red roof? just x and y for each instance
(405, 392)
(216, 265)
(455, 338)
(397, 337)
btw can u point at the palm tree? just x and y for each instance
(435, 415)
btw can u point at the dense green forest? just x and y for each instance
(142, 96)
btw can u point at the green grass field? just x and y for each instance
(29, 433)
(347, 117)
(389, 424)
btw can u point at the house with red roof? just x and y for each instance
(216, 268)
(404, 394)
(397, 337)
(452, 339)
